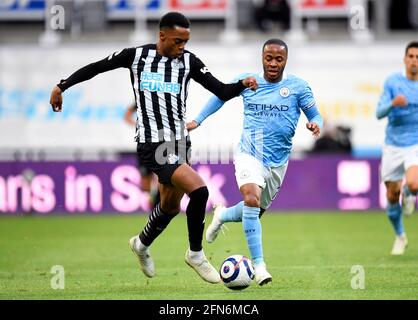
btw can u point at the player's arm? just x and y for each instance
(225, 92)
(213, 105)
(120, 59)
(387, 101)
(315, 121)
(128, 115)
(308, 105)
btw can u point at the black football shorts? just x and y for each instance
(163, 158)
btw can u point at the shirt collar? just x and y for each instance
(261, 75)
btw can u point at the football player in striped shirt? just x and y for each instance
(160, 75)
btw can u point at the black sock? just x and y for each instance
(157, 222)
(196, 217)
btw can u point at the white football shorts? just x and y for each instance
(396, 160)
(250, 170)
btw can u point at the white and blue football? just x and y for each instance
(237, 272)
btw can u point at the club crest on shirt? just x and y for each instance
(284, 92)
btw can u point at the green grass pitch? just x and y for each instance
(310, 256)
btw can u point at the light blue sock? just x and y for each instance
(252, 230)
(233, 214)
(394, 212)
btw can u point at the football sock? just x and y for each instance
(195, 212)
(157, 222)
(196, 255)
(394, 212)
(232, 214)
(252, 230)
(407, 192)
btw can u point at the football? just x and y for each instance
(237, 272)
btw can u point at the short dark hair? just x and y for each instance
(276, 41)
(174, 19)
(413, 44)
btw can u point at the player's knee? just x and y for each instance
(200, 194)
(413, 186)
(251, 200)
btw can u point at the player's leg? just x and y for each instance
(247, 168)
(250, 180)
(162, 214)
(222, 215)
(149, 184)
(410, 189)
(229, 214)
(251, 194)
(255, 197)
(412, 179)
(188, 181)
(251, 224)
(392, 172)
(160, 217)
(152, 161)
(394, 213)
(273, 177)
(249, 173)
(146, 182)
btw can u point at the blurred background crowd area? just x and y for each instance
(83, 159)
(23, 21)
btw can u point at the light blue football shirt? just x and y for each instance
(402, 127)
(271, 115)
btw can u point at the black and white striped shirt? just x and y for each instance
(160, 86)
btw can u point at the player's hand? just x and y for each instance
(399, 101)
(251, 83)
(56, 99)
(191, 125)
(312, 126)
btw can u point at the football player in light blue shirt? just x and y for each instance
(271, 115)
(399, 103)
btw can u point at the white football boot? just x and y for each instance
(400, 244)
(262, 276)
(203, 267)
(216, 225)
(142, 253)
